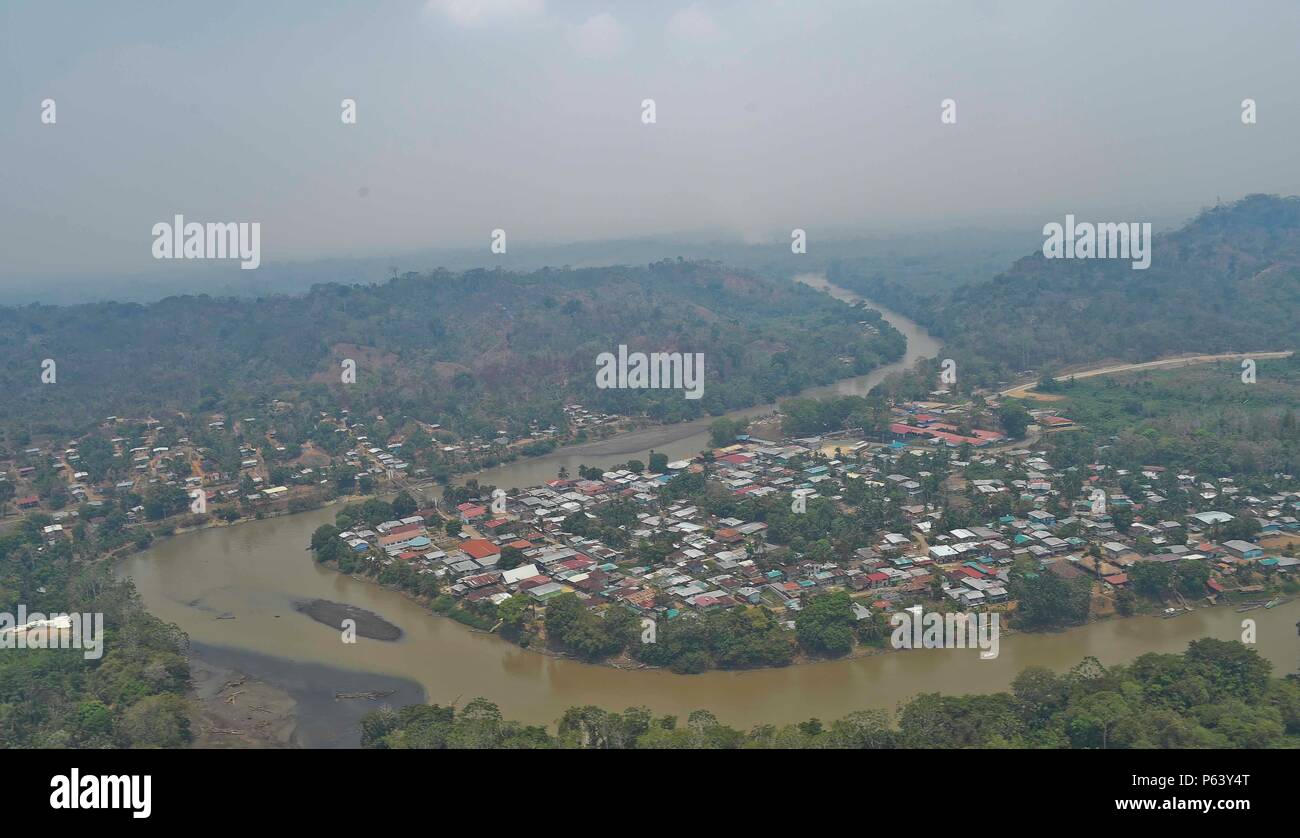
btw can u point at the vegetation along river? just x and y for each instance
(237, 587)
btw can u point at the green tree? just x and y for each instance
(825, 625)
(404, 505)
(1014, 419)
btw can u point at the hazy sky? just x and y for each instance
(526, 115)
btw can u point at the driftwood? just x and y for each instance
(371, 695)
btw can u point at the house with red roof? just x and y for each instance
(578, 562)
(469, 512)
(479, 548)
(728, 536)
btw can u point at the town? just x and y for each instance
(951, 503)
(965, 521)
(131, 472)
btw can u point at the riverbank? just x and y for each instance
(255, 573)
(232, 709)
(624, 661)
(249, 700)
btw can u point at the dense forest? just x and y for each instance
(133, 696)
(1200, 418)
(1229, 280)
(1217, 694)
(472, 351)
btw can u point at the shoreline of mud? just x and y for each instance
(250, 700)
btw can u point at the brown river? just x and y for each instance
(235, 588)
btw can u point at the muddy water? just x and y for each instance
(254, 573)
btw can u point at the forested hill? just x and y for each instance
(1228, 280)
(475, 350)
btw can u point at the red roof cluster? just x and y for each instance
(943, 436)
(479, 548)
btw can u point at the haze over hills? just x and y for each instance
(479, 348)
(476, 351)
(926, 260)
(1228, 280)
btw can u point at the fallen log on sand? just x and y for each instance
(371, 695)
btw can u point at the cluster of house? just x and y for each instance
(1149, 537)
(66, 464)
(934, 429)
(726, 562)
(580, 417)
(156, 458)
(713, 562)
(151, 460)
(387, 460)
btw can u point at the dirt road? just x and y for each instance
(1023, 391)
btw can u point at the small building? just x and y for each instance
(545, 592)
(1244, 549)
